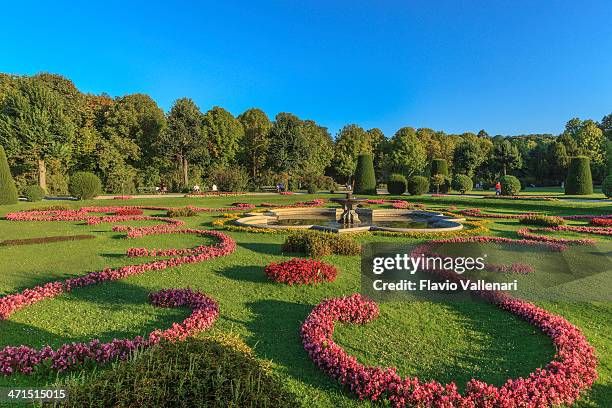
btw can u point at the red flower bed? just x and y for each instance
(286, 193)
(24, 359)
(129, 211)
(572, 370)
(237, 207)
(298, 271)
(602, 222)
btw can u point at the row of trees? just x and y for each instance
(51, 130)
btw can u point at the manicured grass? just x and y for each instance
(430, 340)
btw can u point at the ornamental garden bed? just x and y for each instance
(118, 286)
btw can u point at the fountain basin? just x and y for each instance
(329, 219)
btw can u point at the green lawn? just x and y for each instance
(445, 342)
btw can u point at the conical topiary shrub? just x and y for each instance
(579, 180)
(439, 166)
(365, 179)
(8, 191)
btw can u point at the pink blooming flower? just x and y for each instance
(528, 234)
(475, 212)
(24, 359)
(298, 271)
(562, 380)
(602, 222)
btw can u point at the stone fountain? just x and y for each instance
(349, 215)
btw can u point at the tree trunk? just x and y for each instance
(185, 173)
(504, 166)
(42, 174)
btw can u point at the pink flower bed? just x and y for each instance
(602, 222)
(528, 234)
(236, 207)
(298, 271)
(475, 212)
(286, 193)
(24, 359)
(586, 230)
(562, 380)
(553, 246)
(376, 201)
(587, 217)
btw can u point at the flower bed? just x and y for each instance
(129, 211)
(475, 212)
(528, 234)
(527, 198)
(24, 359)
(572, 370)
(123, 197)
(286, 193)
(602, 222)
(553, 246)
(298, 271)
(239, 207)
(215, 194)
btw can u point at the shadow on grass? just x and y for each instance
(110, 297)
(262, 247)
(276, 336)
(253, 273)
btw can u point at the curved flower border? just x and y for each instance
(24, 359)
(562, 380)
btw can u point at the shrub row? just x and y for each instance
(317, 244)
(44, 240)
(542, 220)
(181, 212)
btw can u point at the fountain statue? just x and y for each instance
(349, 215)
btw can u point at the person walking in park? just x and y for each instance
(497, 188)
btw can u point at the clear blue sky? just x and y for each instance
(507, 66)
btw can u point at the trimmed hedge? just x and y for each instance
(542, 220)
(34, 193)
(218, 371)
(8, 191)
(606, 186)
(418, 185)
(365, 179)
(579, 180)
(397, 184)
(439, 166)
(84, 185)
(44, 240)
(510, 185)
(462, 183)
(317, 244)
(181, 212)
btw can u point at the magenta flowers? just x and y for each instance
(24, 359)
(572, 370)
(298, 271)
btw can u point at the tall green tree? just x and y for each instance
(257, 128)
(380, 149)
(467, 157)
(224, 134)
(351, 141)
(287, 144)
(407, 154)
(184, 139)
(589, 139)
(507, 156)
(557, 161)
(8, 192)
(34, 125)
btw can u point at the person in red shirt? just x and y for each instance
(498, 188)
